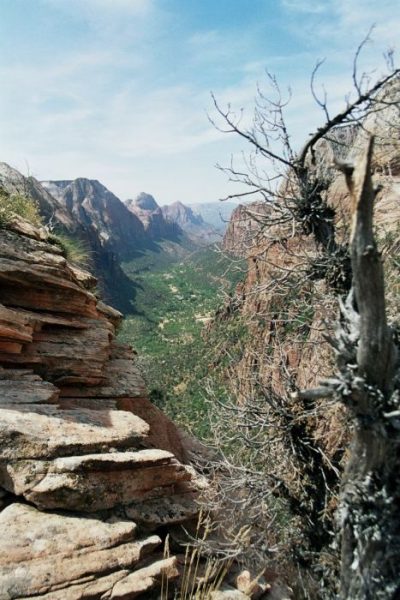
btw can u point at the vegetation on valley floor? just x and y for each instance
(175, 300)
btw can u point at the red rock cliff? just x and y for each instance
(89, 468)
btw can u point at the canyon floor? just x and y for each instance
(176, 297)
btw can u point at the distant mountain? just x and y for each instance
(156, 225)
(216, 214)
(108, 229)
(190, 222)
(98, 212)
(182, 215)
(117, 235)
(144, 202)
(172, 222)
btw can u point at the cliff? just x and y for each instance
(153, 219)
(281, 318)
(16, 183)
(98, 212)
(190, 222)
(244, 229)
(92, 475)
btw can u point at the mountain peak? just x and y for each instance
(182, 214)
(143, 201)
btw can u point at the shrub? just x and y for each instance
(17, 204)
(74, 250)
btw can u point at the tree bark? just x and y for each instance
(370, 500)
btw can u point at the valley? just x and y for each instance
(243, 392)
(176, 296)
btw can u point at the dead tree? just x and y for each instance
(294, 188)
(369, 385)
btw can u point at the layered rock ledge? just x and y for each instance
(91, 473)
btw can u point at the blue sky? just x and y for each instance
(119, 90)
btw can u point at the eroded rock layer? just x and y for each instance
(89, 468)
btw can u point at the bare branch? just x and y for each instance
(343, 116)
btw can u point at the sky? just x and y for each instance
(119, 90)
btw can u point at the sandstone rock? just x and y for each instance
(13, 328)
(144, 580)
(94, 482)
(228, 594)
(163, 432)
(45, 431)
(44, 553)
(254, 587)
(73, 356)
(120, 379)
(167, 510)
(42, 288)
(39, 320)
(78, 433)
(23, 387)
(85, 278)
(99, 587)
(111, 313)
(20, 225)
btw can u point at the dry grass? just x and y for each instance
(204, 571)
(12, 205)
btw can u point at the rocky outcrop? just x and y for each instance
(55, 556)
(152, 217)
(273, 333)
(244, 229)
(190, 222)
(16, 183)
(91, 474)
(96, 210)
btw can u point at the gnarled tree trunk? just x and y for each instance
(369, 385)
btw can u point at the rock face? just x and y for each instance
(183, 215)
(190, 222)
(152, 217)
(100, 213)
(143, 202)
(107, 229)
(89, 469)
(14, 182)
(284, 303)
(244, 229)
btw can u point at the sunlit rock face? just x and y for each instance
(79, 438)
(14, 182)
(153, 219)
(285, 306)
(191, 222)
(100, 213)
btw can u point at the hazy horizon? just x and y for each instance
(119, 90)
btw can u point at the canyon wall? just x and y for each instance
(282, 319)
(92, 475)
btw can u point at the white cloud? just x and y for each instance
(106, 110)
